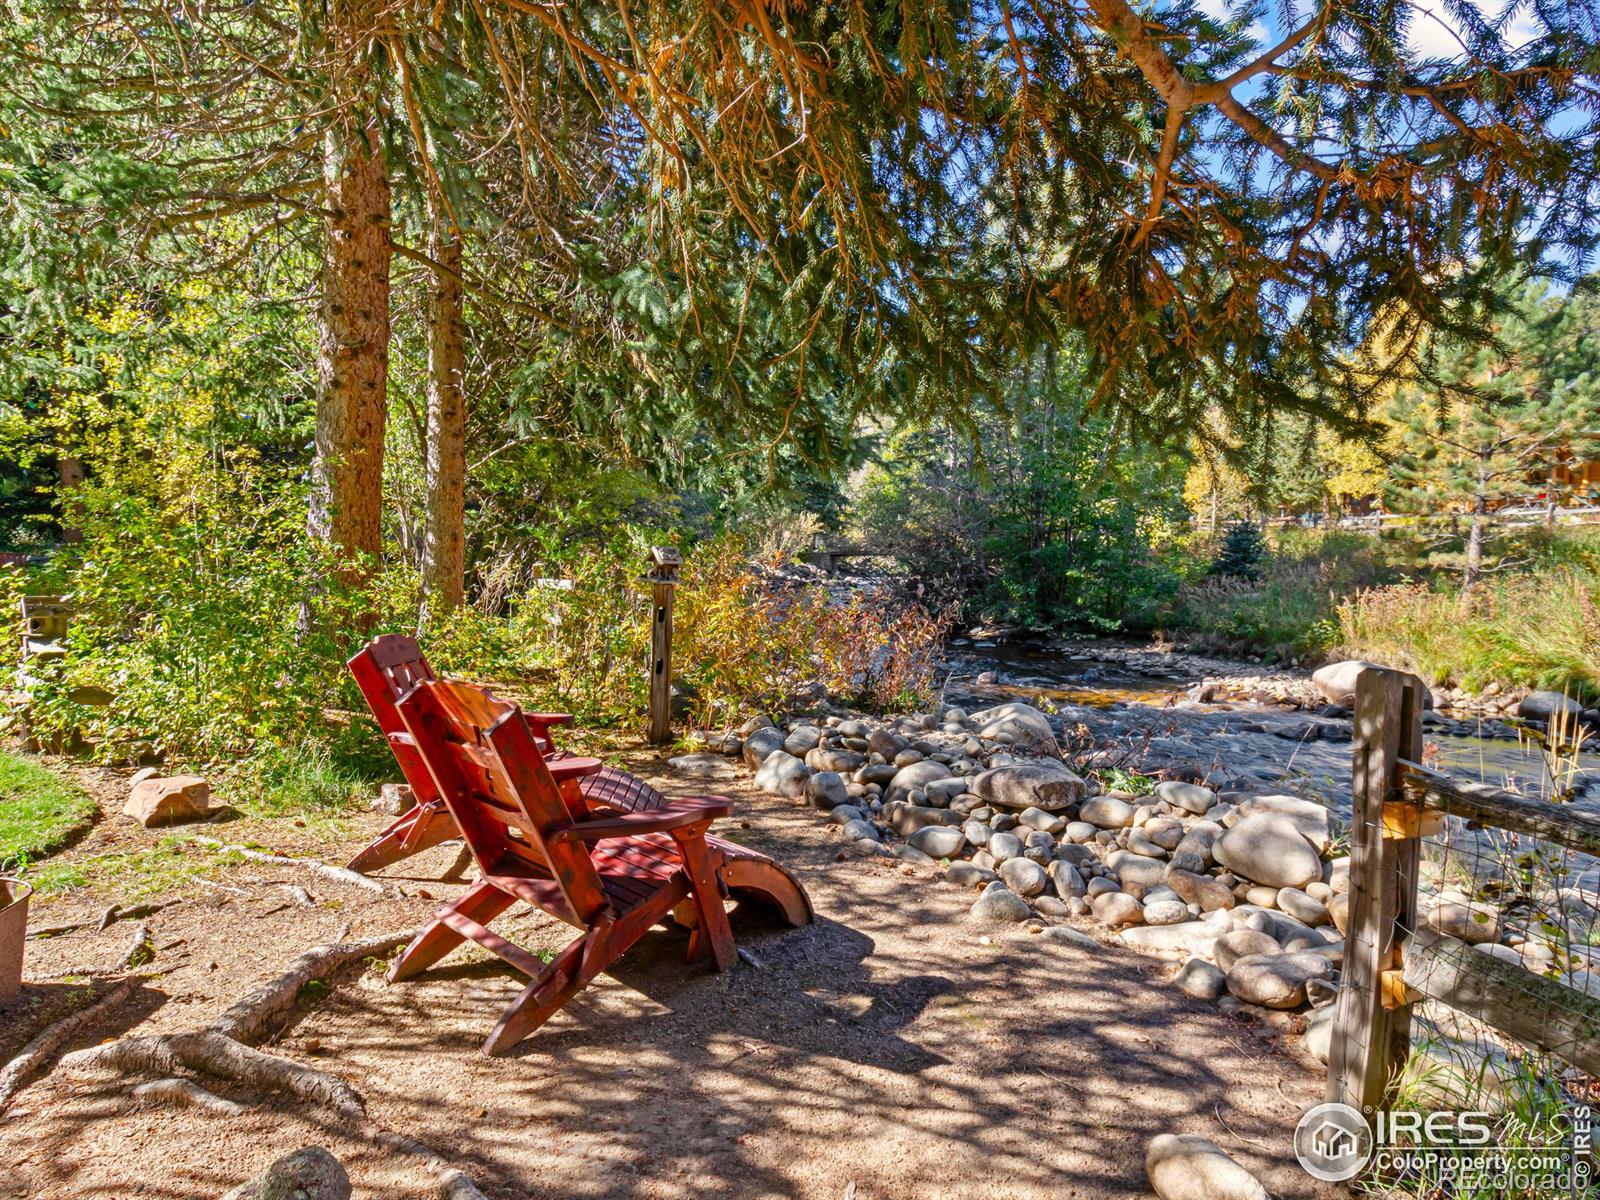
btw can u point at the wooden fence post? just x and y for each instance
(663, 579)
(1372, 1028)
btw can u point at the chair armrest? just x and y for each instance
(572, 767)
(677, 815)
(541, 721)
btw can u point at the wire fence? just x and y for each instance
(1473, 930)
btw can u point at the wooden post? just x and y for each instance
(1372, 1029)
(663, 579)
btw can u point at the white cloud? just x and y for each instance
(1434, 34)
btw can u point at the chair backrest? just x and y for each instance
(385, 669)
(487, 768)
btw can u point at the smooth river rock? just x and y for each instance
(1184, 1167)
(1046, 784)
(1270, 850)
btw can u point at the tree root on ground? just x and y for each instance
(180, 1093)
(140, 951)
(221, 1052)
(36, 1053)
(338, 874)
(108, 918)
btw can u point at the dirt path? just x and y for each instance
(890, 1045)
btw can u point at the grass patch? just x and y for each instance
(40, 812)
(134, 873)
(305, 782)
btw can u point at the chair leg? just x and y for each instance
(712, 934)
(483, 902)
(421, 828)
(563, 977)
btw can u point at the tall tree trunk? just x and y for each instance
(69, 470)
(346, 506)
(444, 539)
(1475, 531)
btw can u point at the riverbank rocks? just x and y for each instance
(999, 905)
(1020, 724)
(1117, 909)
(782, 774)
(1302, 907)
(827, 789)
(1475, 924)
(1313, 820)
(938, 841)
(1183, 1167)
(759, 743)
(1337, 681)
(1023, 876)
(914, 778)
(1107, 812)
(1276, 980)
(1269, 849)
(801, 739)
(169, 800)
(1190, 797)
(1201, 980)
(1242, 943)
(1194, 888)
(1542, 706)
(1046, 784)
(832, 758)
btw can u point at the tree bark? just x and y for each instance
(1480, 516)
(444, 537)
(346, 507)
(69, 470)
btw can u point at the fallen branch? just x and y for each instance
(337, 874)
(36, 1053)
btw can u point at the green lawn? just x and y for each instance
(39, 811)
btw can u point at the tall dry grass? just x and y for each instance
(1532, 630)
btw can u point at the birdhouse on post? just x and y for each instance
(663, 577)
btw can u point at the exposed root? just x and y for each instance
(180, 1093)
(298, 894)
(338, 874)
(140, 951)
(36, 1053)
(249, 1017)
(222, 1053)
(106, 919)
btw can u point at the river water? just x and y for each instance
(1135, 697)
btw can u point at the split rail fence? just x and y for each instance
(1521, 864)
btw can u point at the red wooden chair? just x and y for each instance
(388, 667)
(385, 669)
(612, 875)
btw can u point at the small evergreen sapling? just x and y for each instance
(1243, 552)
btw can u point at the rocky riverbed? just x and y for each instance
(1233, 865)
(1237, 725)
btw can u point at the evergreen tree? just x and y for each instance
(1488, 422)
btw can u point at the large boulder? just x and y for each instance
(999, 905)
(1476, 924)
(1276, 980)
(1022, 724)
(308, 1174)
(1541, 706)
(1023, 877)
(1184, 1167)
(782, 774)
(1337, 681)
(1190, 797)
(1117, 909)
(169, 800)
(827, 789)
(938, 841)
(1242, 943)
(1313, 820)
(1046, 783)
(1107, 812)
(914, 778)
(1269, 848)
(759, 743)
